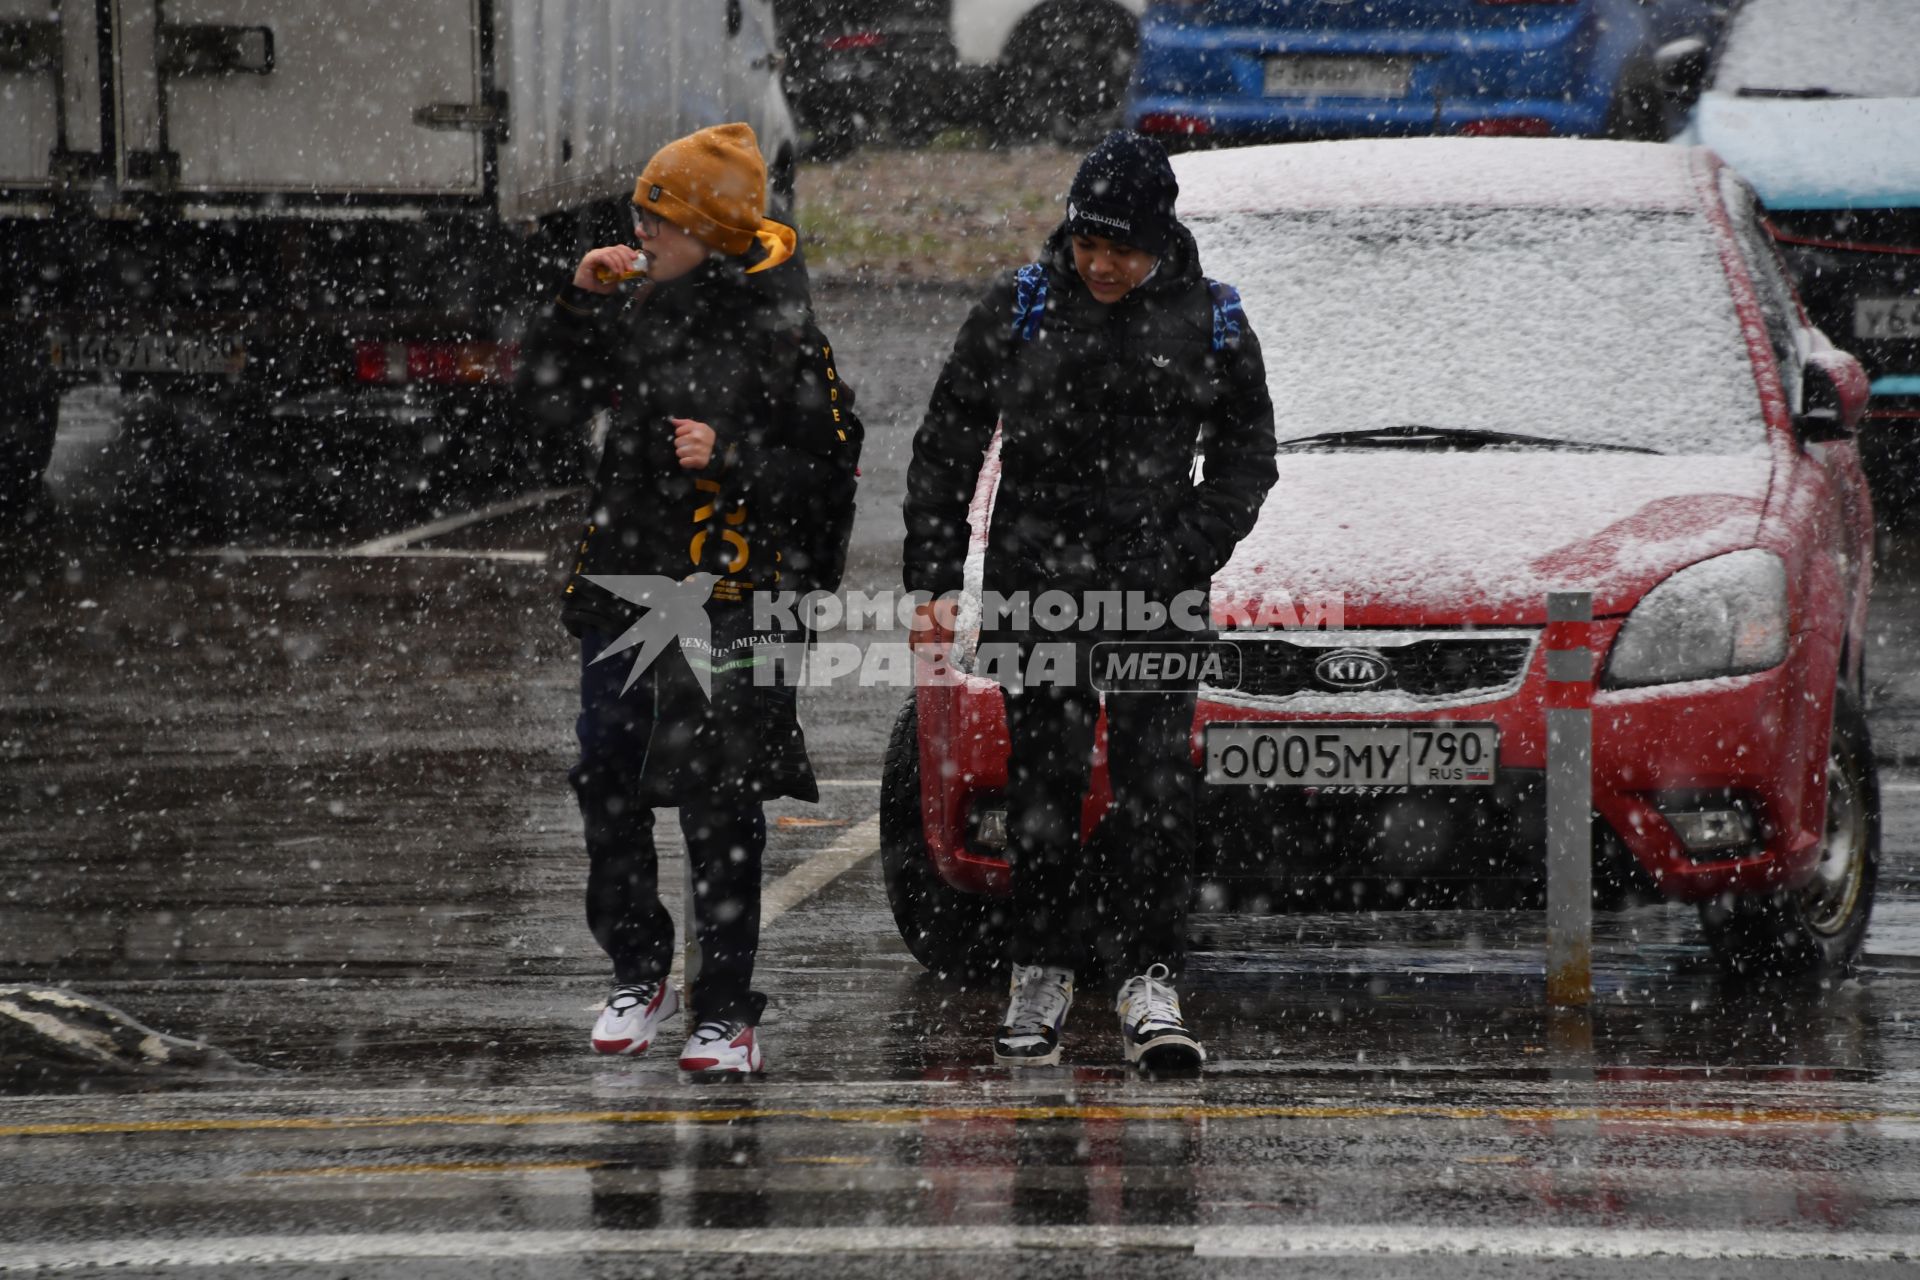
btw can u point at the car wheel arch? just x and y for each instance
(1131, 11)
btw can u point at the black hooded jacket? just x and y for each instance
(734, 345)
(1103, 411)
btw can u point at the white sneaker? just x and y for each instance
(633, 1015)
(721, 1047)
(1037, 1009)
(1151, 1028)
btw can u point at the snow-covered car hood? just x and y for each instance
(1438, 539)
(1820, 153)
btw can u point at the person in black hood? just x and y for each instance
(1110, 367)
(728, 471)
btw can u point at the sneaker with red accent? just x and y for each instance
(722, 1046)
(633, 1016)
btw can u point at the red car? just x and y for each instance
(1499, 367)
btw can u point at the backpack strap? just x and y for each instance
(1029, 301)
(1030, 307)
(1228, 316)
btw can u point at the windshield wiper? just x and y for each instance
(1415, 436)
(1811, 91)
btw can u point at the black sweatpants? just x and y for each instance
(1122, 898)
(726, 835)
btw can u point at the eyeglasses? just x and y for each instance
(645, 225)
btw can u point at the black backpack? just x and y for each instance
(820, 543)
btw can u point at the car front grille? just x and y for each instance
(1412, 665)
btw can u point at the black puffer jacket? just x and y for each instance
(733, 345)
(1103, 411)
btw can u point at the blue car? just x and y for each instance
(1230, 71)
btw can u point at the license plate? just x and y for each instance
(1352, 755)
(1315, 77)
(145, 353)
(1886, 317)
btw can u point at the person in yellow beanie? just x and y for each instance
(728, 471)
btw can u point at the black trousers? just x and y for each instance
(1121, 899)
(726, 834)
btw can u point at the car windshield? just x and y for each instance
(1818, 48)
(1603, 329)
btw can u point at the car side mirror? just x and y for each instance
(1833, 397)
(1681, 69)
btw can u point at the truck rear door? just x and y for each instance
(239, 98)
(49, 89)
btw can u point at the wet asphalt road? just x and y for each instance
(303, 796)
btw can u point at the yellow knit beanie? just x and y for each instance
(711, 184)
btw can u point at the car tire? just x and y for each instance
(958, 936)
(1065, 73)
(27, 428)
(1814, 931)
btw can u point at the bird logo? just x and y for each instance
(676, 611)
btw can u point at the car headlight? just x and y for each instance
(1721, 617)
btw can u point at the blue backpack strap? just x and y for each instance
(1029, 300)
(1228, 317)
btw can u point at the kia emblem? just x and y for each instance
(1352, 669)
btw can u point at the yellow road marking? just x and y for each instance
(962, 1115)
(450, 1166)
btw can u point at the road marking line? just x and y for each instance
(1362, 1240)
(819, 871)
(398, 546)
(450, 524)
(795, 887)
(337, 553)
(1357, 1240)
(415, 1170)
(1678, 1117)
(826, 784)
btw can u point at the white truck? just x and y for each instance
(294, 230)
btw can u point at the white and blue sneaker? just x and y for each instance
(1151, 1029)
(633, 1016)
(1030, 1036)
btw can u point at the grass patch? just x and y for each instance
(947, 212)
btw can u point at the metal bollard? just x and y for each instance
(1569, 705)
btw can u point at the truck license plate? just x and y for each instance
(145, 353)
